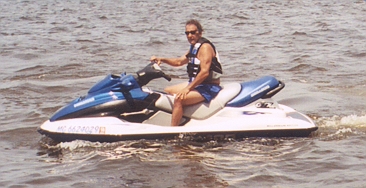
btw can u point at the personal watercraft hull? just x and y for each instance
(228, 123)
(66, 137)
(63, 137)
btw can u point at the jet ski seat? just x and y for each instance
(203, 110)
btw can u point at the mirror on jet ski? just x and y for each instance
(150, 72)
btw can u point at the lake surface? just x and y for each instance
(52, 51)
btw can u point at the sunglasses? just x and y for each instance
(190, 32)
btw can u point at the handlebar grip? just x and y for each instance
(167, 77)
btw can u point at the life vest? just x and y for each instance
(193, 66)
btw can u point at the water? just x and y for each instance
(52, 51)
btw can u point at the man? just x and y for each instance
(204, 71)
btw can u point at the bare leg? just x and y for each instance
(175, 88)
(177, 112)
(193, 97)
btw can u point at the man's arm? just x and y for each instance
(170, 61)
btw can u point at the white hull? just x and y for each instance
(247, 121)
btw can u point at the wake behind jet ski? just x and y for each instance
(121, 107)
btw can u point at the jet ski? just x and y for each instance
(121, 107)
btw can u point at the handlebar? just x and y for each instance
(151, 72)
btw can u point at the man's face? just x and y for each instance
(192, 34)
